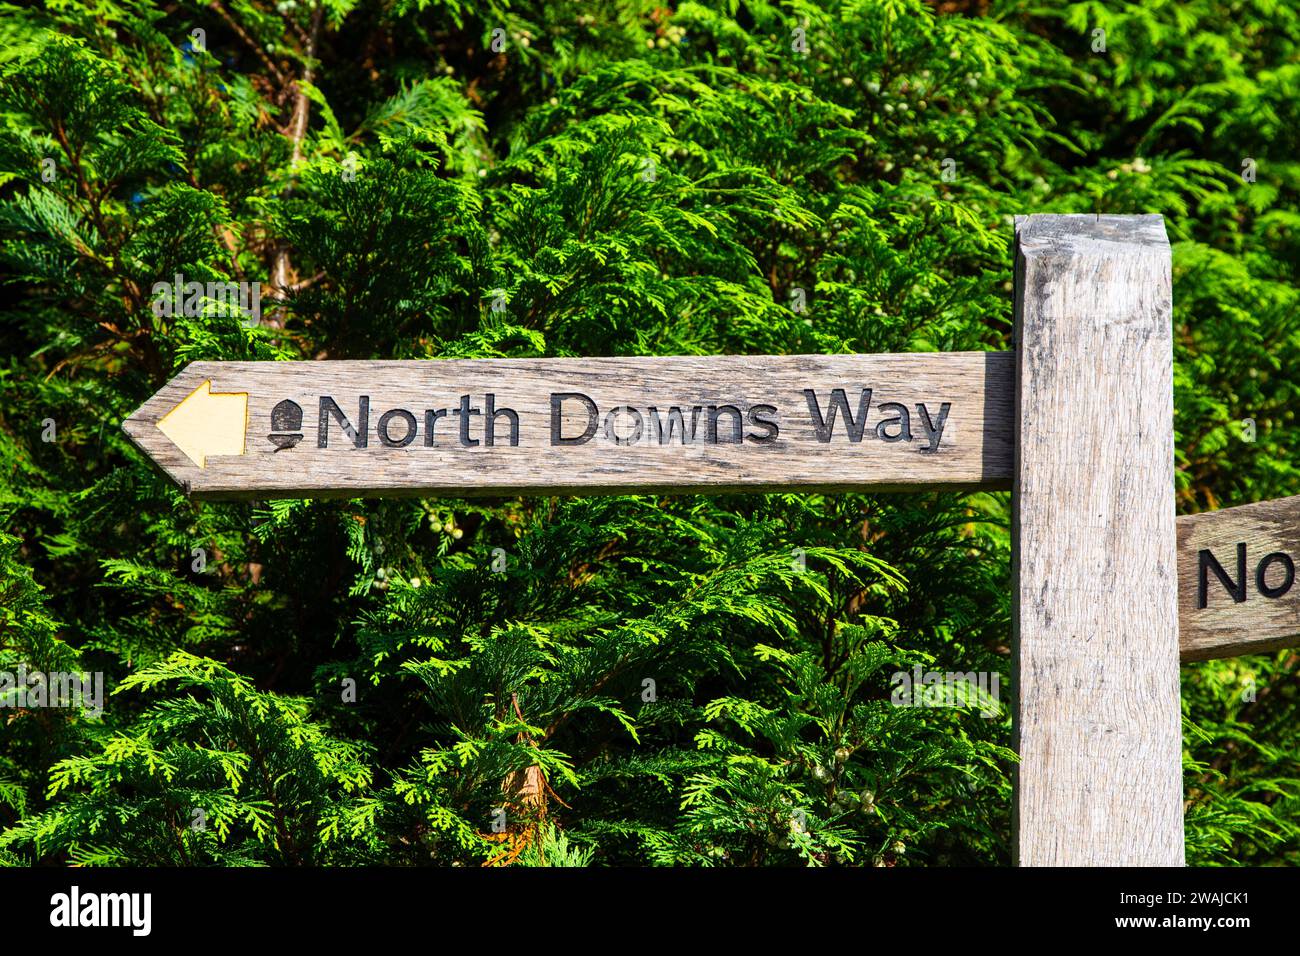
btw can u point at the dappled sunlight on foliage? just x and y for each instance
(626, 680)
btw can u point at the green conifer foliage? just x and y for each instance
(611, 681)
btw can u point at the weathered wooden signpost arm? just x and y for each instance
(1237, 589)
(679, 424)
(1095, 615)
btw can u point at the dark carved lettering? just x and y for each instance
(465, 412)
(1288, 574)
(386, 419)
(359, 435)
(1208, 562)
(825, 426)
(761, 416)
(491, 411)
(902, 418)
(557, 418)
(431, 417)
(675, 421)
(933, 431)
(737, 422)
(637, 426)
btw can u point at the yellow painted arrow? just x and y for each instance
(208, 423)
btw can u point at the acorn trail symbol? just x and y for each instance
(286, 420)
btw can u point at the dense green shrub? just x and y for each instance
(651, 679)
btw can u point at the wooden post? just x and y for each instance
(1095, 611)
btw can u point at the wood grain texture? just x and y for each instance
(972, 449)
(1253, 610)
(1095, 591)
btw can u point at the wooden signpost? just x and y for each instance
(1110, 591)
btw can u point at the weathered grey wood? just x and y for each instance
(1097, 716)
(1212, 622)
(972, 450)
